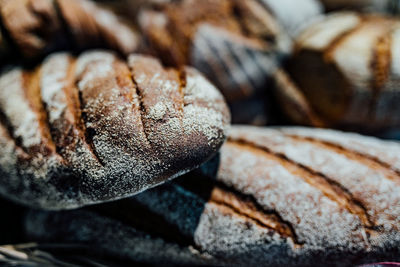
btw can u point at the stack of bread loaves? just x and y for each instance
(92, 140)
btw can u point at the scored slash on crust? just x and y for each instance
(107, 129)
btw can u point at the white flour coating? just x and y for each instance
(205, 121)
(198, 87)
(234, 238)
(275, 188)
(202, 112)
(125, 36)
(214, 230)
(320, 35)
(379, 194)
(125, 149)
(158, 111)
(17, 108)
(97, 55)
(355, 41)
(395, 53)
(294, 14)
(101, 71)
(115, 32)
(353, 58)
(385, 151)
(324, 231)
(53, 80)
(8, 159)
(208, 120)
(158, 19)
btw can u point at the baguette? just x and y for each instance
(77, 131)
(280, 197)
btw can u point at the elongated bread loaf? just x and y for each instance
(346, 69)
(76, 131)
(280, 197)
(35, 27)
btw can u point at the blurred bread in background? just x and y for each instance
(238, 45)
(344, 73)
(33, 28)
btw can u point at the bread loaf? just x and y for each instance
(345, 72)
(236, 44)
(35, 27)
(280, 197)
(77, 131)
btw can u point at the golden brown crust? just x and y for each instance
(356, 54)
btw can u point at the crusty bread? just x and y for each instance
(82, 130)
(36, 27)
(236, 44)
(345, 66)
(280, 197)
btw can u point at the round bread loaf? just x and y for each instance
(345, 73)
(35, 27)
(77, 131)
(280, 197)
(236, 44)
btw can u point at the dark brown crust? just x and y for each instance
(327, 186)
(36, 27)
(236, 44)
(33, 95)
(272, 202)
(97, 130)
(24, 21)
(241, 205)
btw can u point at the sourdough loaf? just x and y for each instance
(236, 44)
(35, 27)
(344, 73)
(280, 197)
(76, 131)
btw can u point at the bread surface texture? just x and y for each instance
(345, 69)
(92, 128)
(278, 197)
(236, 44)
